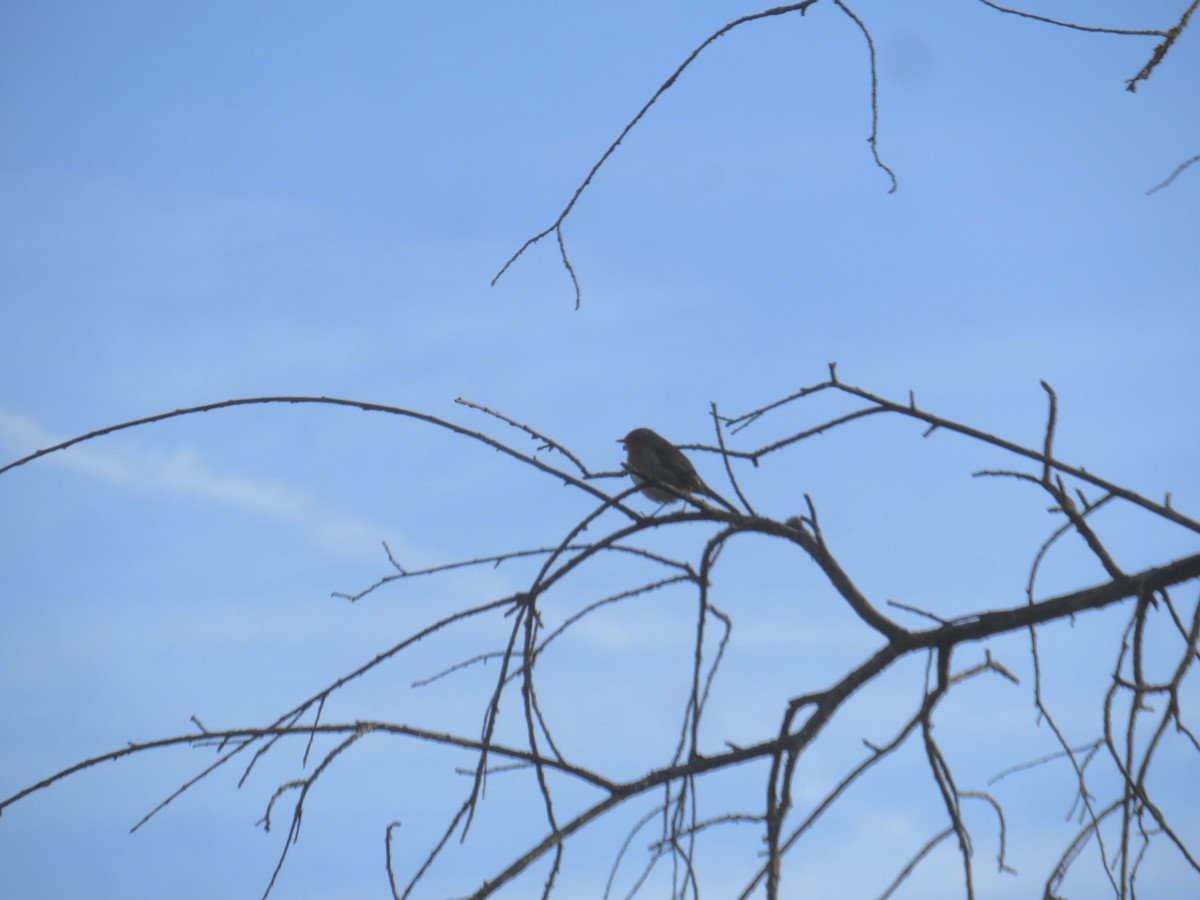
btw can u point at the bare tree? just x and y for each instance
(1121, 810)
(1142, 711)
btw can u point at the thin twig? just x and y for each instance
(873, 139)
(556, 227)
(1179, 170)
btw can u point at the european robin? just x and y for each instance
(661, 470)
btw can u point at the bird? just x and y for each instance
(661, 470)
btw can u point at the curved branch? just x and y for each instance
(323, 401)
(1072, 25)
(873, 140)
(556, 227)
(814, 546)
(1170, 36)
(225, 736)
(1179, 170)
(912, 411)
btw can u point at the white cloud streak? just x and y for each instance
(183, 471)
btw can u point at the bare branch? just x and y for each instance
(325, 401)
(912, 864)
(547, 443)
(1179, 170)
(881, 404)
(1072, 25)
(873, 140)
(556, 227)
(737, 489)
(1161, 50)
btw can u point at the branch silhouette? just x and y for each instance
(556, 226)
(1169, 37)
(611, 530)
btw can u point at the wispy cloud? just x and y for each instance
(183, 471)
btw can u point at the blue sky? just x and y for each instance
(208, 201)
